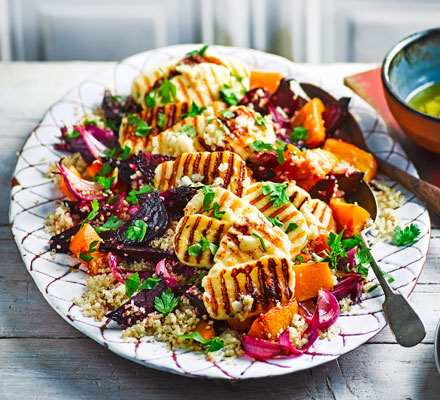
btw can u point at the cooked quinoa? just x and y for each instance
(58, 221)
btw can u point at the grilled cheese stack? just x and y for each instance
(251, 269)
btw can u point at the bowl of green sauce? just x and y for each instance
(411, 81)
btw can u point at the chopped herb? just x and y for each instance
(161, 120)
(208, 198)
(142, 128)
(75, 134)
(92, 214)
(188, 130)
(203, 244)
(259, 119)
(291, 227)
(280, 149)
(197, 279)
(228, 95)
(110, 124)
(227, 114)
(261, 240)
(201, 52)
(278, 193)
(132, 285)
(125, 152)
(299, 133)
(351, 243)
(106, 182)
(85, 256)
(132, 195)
(166, 303)
(214, 344)
(115, 98)
(336, 249)
(110, 154)
(275, 221)
(110, 225)
(261, 147)
(105, 169)
(150, 99)
(362, 258)
(370, 289)
(299, 259)
(409, 235)
(217, 214)
(167, 91)
(240, 81)
(194, 111)
(137, 231)
(389, 277)
(112, 199)
(149, 283)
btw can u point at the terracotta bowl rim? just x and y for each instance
(389, 57)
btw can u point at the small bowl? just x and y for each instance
(409, 65)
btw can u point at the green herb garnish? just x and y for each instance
(73, 135)
(85, 256)
(150, 99)
(407, 236)
(261, 240)
(217, 214)
(132, 194)
(133, 282)
(167, 91)
(137, 231)
(161, 120)
(227, 114)
(201, 52)
(188, 130)
(262, 147)
(291, 227)
(106, 182)
(228, 95)
(208, 198)
(92, 214)
(166, 303)
(277, 192)
(299, 133)
(110, 225)
(275, 221)
(259, 120)
(203, 244)
(214, 344)
(194, 111)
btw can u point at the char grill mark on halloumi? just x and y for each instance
(266, 281)
(287, 214)
(322, 212)
(189, 231)
(207, 167)
(240, 243)
(298, 196)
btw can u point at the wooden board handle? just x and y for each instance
(426, 192)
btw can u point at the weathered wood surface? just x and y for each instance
(41, 356)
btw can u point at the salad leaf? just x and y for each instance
(201, 52)
(299, 133)
(167, 91)
(407, 236)
(277, 192)
(166, 303)
(214, 344)
(194, 111)
(110, 225)
(201, 245)
(85, 256)
(132, 194)
(228, 95)
(137, 231)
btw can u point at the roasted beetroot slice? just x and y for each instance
(286, 99)
(258, 98)
(175, 200)
(78, 208)
(134, 252)
(261, 173)
(349, 286)
(350, 183)
(73, 145)
(138, 307)
(153, 212)
(324, 190)
(116, 107)
(335, 114)
(146, 163)
(60, 243)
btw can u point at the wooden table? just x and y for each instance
(41, 356)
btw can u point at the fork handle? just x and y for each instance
(425, 191)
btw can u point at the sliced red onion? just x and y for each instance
(94, 145)
(263, 349)
(119, 203)
(349, 286)
(113, 262)
(81, 188)
(133, 209)
(161, 269)
(327, 309)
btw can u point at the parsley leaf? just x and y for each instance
(201, 52)
(280, 149)
(291, 227)
(125, 152)
(261, 240)
(188, 130)
(166, 303)
(149, 283)
(194, 111)
(275, 221)
(92, 214)
(407, 236)
(85, 256)
(75, 134)
(110, 225)
(299, 133)
(150, 99)
(167, 91)
(208, 198)
(336, 249)
(214, 344)
(203, 244)
(132, 194)
(362, 258)
(217, 214)
(228, 95)
(259, 120)
(278, 193)
(197, 279)
(227, 114)
(161, 120)
(106, 182)
(132, 285)
(137, 231)
(261, 147)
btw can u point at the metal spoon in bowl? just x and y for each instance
(405, 324)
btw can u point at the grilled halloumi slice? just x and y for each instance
(198, 82)
(248, 289)
(298, 196)
(319, 213)
(227, 168)
(250, 238)
(294, 223)
(189, 231)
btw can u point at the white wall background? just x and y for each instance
(303, 30)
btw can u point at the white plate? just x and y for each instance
(33, 194)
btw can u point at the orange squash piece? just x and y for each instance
(310, 118)
(358, 158)
(206, 331)
(63, 186)
(273, 322)
(350, 217)
(310, 278)
(241, 326)
(97, 264)
(94, 168)
(265, 80)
